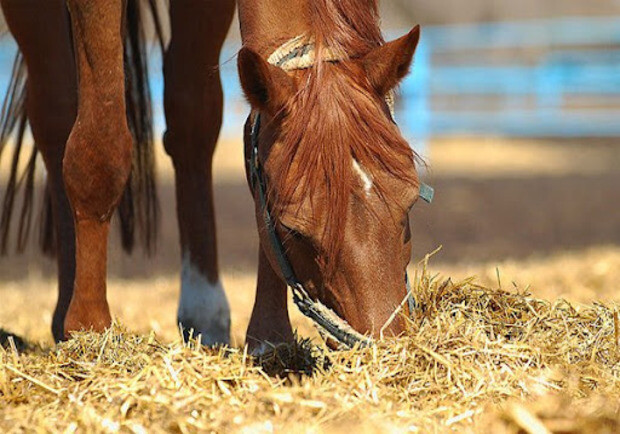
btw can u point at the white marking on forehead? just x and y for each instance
(203, 306)
(365, 177)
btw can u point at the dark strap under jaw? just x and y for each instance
(322, 316)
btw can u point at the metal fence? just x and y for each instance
(531, 71)
(558, 77)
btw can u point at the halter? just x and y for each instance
(298, 53)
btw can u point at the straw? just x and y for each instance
(474, 357)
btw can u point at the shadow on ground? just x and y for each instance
(11, 341)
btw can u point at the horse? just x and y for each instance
(332, 177)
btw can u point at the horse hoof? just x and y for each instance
(203, 309)
(86, 317)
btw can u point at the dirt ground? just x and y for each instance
(544, 213)
(150, 304)
(495, 199)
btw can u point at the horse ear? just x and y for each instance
(266, 86)
(385, 66)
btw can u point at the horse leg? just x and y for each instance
(193, 105)
(269, 323)
(97, 160)
(41, 28)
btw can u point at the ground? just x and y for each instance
(531, 221)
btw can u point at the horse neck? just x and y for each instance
(267, 24)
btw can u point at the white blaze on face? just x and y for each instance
(203, 306)
(365, 177)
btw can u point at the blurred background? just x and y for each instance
(515, 107)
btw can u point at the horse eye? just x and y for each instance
(290, 232)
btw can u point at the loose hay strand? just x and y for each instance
(33, 380)
(616, 330)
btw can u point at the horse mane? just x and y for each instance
(335, 118)
(348, 26)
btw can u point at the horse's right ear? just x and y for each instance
(267, 87)
(389, 63)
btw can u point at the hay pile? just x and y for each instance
(475, 358)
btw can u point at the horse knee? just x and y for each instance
(193, 128)
(96, 167)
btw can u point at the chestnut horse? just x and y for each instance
(336, 177)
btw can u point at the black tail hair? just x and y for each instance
(139, 206)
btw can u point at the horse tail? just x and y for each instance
(13, 120)
(139, 205)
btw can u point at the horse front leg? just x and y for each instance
(193, 104)
(269, 324)
(97, 160)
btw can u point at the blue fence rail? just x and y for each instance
(573, 57)
(548, 62)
